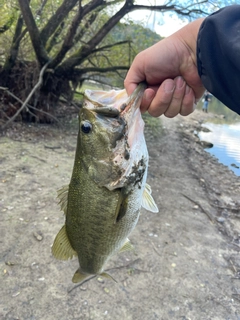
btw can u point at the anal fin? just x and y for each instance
(62, 248)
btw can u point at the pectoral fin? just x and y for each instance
(62, 248)
(63, 198)
(147, 201)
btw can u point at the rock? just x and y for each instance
(206, 144)
(205, 129)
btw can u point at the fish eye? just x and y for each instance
(86, 127)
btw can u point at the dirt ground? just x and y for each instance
(186, 262)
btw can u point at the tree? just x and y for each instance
(67, 40)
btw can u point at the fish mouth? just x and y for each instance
(133, 99)
(115, 103)
(107, 111)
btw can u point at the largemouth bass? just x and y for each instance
(108, 185)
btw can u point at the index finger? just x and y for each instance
(130, 86)
(134, 76)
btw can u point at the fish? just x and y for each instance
(108, 185)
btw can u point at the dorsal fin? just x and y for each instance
(62, 248)
(147, 200)
(62, 195)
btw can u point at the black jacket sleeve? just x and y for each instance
(218, 55)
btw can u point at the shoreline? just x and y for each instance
(185, 263)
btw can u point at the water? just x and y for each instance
(226, 143)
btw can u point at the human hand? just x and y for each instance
(170, 70)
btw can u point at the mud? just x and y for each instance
(186, 262)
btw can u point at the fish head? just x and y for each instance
(110, 129)
(100, 125)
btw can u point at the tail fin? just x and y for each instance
(79, 276)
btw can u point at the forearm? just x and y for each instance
(218, 52)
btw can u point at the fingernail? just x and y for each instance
(179, 82)
(169, 86)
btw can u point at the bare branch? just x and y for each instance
(40, 10)
(129, 6)
(56, 19)
(88, 24)
(53, 41)
(183, 11)
(10, 61)
(104, 70)
(68, 41)
(111, 46)
(85, 50)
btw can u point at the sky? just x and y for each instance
(163, 24)
(170, 25)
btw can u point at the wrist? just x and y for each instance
(188, 36)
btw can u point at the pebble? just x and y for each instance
(38, 236)
(15, 294)
(99, 279)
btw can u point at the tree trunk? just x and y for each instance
(39, 49)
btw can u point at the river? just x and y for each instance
(226, 143)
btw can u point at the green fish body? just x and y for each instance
(108, 185)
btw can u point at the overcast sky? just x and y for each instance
(164, 24)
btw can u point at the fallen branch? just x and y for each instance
(24, 104)
(198, 204)
(44, 112)
(28, 106)
(227, 208)
(53, 148)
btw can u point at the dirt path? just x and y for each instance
(186, 263)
